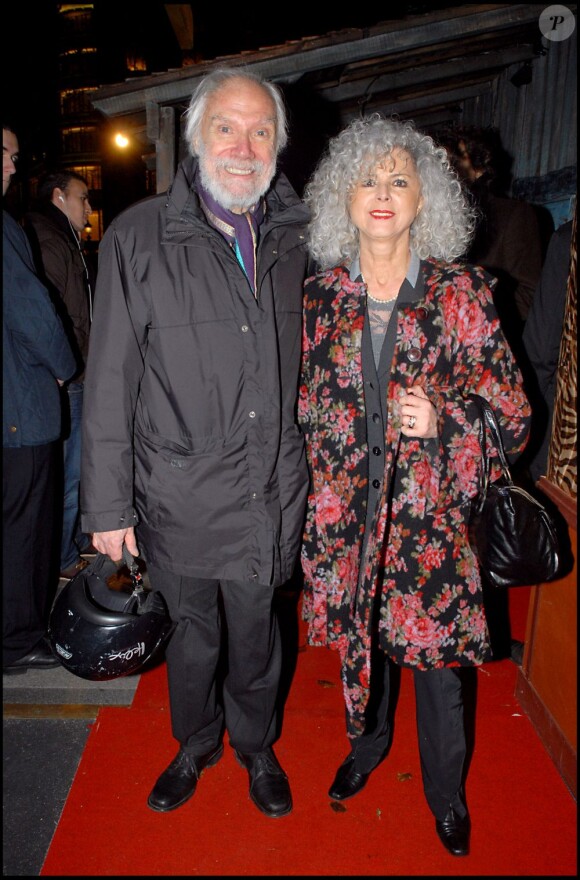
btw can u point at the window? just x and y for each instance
(76, 101)
(80, 139)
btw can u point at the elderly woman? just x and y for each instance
(397, 334)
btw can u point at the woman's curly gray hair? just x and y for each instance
(443, 228)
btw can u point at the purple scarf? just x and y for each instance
(239, 230)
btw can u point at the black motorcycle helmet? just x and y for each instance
(99, 633)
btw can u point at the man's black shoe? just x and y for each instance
(347, 781)
(454, 833)
(41, 657)
(269, 786)
(178, 783)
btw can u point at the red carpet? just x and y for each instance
(524, 818)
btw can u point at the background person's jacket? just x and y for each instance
(35, 349)
(62, 268)
(542, 339)
(189, 422)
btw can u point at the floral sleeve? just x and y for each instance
(474, 356)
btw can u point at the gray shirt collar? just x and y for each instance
(412, 271)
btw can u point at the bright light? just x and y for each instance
(121, 140)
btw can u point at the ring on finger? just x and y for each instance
(411, 421)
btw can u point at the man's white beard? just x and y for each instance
(222, 195)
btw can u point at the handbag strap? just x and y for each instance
(487, 418)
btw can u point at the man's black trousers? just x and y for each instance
(223, 661)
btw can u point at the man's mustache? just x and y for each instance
(255, 165)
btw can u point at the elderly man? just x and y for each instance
(191, 452)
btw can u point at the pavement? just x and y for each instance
(47, 718)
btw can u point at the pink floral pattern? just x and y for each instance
(418, 589)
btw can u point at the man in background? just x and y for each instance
(542, 339)
(507, 239)
(37, 358)
(54, 229)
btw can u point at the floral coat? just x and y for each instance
(419, 584)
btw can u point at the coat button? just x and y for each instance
(245, 328)
(13, 429)
(376, 418)
(413, 354)
(252, 414)
(422, 313)
(376, 450)
(376, 484)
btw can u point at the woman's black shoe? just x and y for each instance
(347, 781)
(454, 833)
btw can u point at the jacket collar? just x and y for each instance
(56, 218)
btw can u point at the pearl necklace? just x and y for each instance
(382, 302)
(373, 298)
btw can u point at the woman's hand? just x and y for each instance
(418, 415)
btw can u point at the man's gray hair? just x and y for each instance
(214, 81)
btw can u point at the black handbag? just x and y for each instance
(512, 534)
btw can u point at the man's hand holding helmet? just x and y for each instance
(111, 543)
